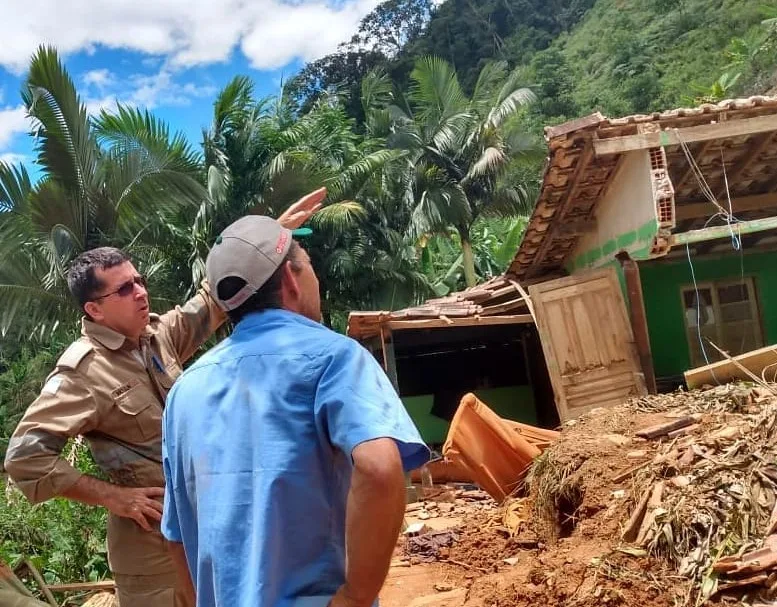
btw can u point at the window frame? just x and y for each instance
(692, 333)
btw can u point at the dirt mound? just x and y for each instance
(613, 518)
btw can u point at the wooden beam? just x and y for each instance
(743, 227)
(758, 362)
(473, 321)
(705, 132)
(689, 171)
(639, 325)
(90, 586)
(702, 209)
(750, 156)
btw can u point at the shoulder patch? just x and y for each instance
(75, 353)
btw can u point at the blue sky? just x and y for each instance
(171, 56)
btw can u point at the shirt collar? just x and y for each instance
(113, 340)
(255, 319)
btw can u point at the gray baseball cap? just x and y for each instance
(251, 249)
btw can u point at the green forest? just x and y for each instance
(426, 128)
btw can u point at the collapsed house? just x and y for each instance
(650, 251)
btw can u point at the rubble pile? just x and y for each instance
(665, 500)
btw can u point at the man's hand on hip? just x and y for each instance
(137, 504)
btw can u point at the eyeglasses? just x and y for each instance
(126, 288)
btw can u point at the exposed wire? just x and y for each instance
(698, 310)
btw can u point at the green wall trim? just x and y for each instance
(626, 240)
(637, 242)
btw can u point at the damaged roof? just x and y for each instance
(500, 300)
(580, 168)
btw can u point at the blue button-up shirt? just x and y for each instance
(257, 443)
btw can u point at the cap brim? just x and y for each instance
(301, 232)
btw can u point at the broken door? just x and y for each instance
(587, 340)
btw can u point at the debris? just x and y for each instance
(631, 531)
(513, 560)
(443, 587)
(103, 599)
(653, 505)
(416, 529)
(629, 473)
(666, 427)
(618, 439)
(681, 481)
(491, 450)
(427, 547)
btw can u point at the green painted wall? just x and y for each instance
(661, 286)
(512, 402)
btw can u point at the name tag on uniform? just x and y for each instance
(52, 385)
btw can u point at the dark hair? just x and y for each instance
(81, 278)
(268, 297)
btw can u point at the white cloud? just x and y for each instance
(99, 78)
(185, 32)
(11, 158)
(13, 120)
(143, 90)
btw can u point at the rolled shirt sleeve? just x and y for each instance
(358, 403)
(64, 409)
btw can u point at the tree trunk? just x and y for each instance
(469, 259)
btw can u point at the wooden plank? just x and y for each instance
(639, 325)
(704, 132)
(654, 503)
(704, 208)
(743, 227)
(475, 321)
(665, 428)
(725, 370)
(83, 586)
(525, 296)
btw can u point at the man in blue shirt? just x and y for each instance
(284, 447)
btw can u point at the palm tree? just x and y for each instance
(460, 150)
(120, 180)
(260, 156)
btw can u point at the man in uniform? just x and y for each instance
(110, 387)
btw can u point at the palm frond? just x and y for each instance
(339, 216)
(435, 90)
(66, 147)
(489, 82)
(376, 93)
(354, 176)
(511, 97)
(15, 187)
(491, 161)
(232, 104)
(131, 129)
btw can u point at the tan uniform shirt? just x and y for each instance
(112, 394)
